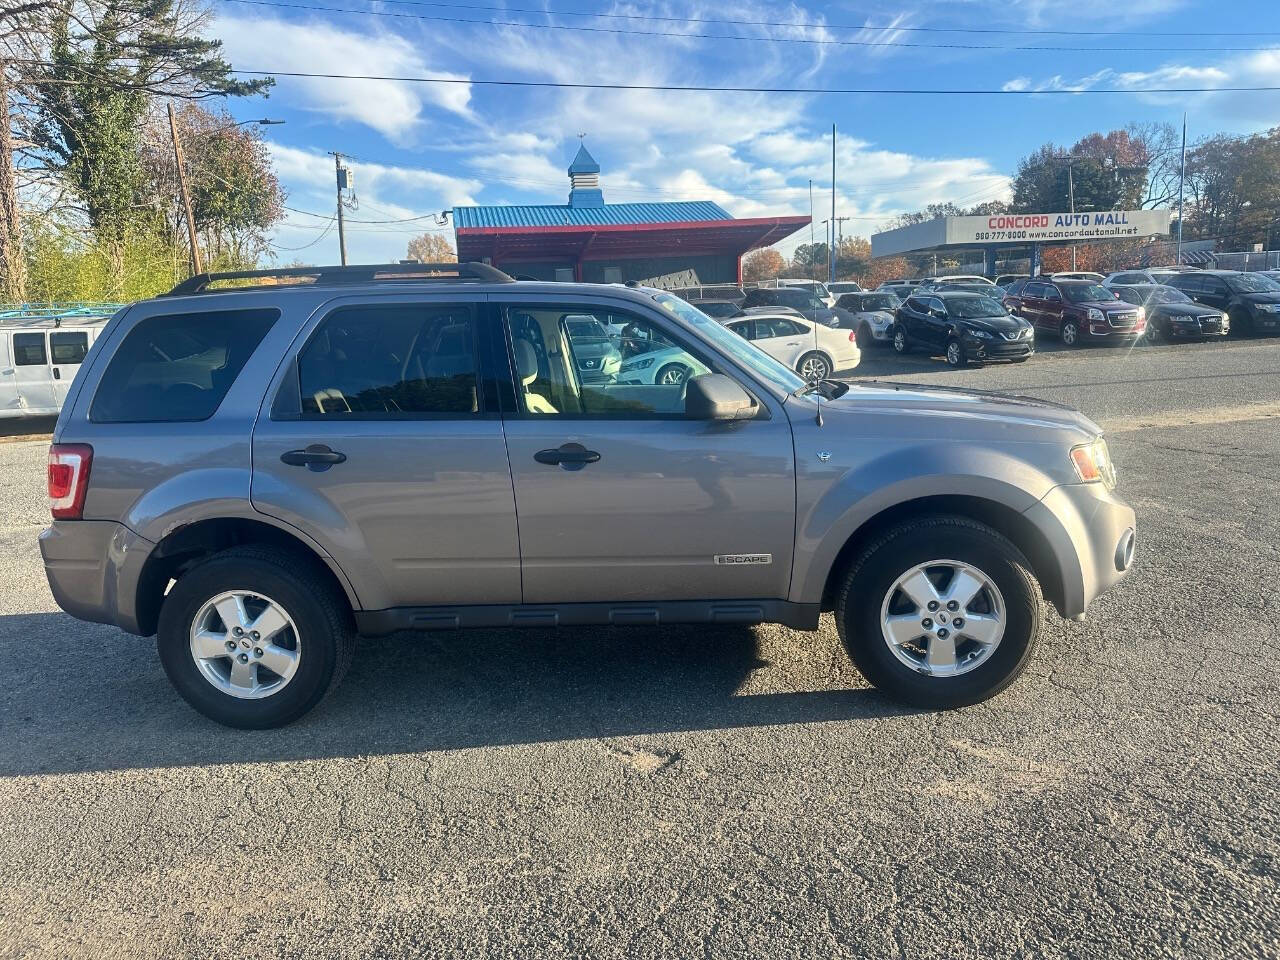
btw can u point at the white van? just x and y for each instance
(39, 359)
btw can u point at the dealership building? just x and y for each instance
(669, 244)
(1000, 232)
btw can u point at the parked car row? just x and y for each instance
(964, 320)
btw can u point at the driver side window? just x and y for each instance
(591, 362)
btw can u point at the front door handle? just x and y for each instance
(317, 457)
(570, 456)
(57, 374)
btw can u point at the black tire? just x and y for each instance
(900, 342)
(1154, 334)
(876, 569)
(671, 373)
(327, 634)
(1072, 337)
(955, 354)
(818, 358)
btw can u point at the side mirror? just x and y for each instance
(713, 396)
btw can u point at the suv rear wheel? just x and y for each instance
(253, 638)
(940, 612)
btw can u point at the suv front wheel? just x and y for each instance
(253, 638)
(940, 612)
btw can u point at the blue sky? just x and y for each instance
(422, 148)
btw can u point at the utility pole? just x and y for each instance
(1182, 180)
(831, 260)
(197, 266)
(342, 177)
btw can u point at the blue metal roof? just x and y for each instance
(560, 215)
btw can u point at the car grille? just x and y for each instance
(589, 364)
(1022, 334)
(1210, 323)
(1127, 319)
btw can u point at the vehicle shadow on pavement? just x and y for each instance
(97, 699)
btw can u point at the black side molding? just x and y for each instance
(799, 616)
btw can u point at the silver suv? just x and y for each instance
(258, 474)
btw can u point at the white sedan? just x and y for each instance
(813, 350)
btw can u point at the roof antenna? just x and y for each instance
(817, 398)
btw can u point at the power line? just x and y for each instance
(694, 88)
(885, 28)
(686, 35)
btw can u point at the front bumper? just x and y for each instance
(93, 568)
(999, 348)
(1091, 534)
(1266, 320)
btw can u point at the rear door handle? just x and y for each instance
(317, 457)
(57, 374)
(570, 456)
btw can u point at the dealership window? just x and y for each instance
(612, 274)
(564, 275)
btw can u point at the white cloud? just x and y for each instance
(392, 108)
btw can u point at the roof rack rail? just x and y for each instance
(361, 273)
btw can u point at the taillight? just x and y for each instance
(68, 479)
(852, 336)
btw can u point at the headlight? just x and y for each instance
(1093, 463)
(644, 363)
(1269, 307)
(1095, 314)
(980, 334)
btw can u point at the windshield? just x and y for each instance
(880, 301)
(799, 298)
(1252, 283)
(733, 345)
(1086, 292)
(972, 308)
(1168, 295)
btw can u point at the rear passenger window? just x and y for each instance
(28, 349)
(68, 346)
(178, 368)
(391, 362)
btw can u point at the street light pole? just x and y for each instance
(1182, 179)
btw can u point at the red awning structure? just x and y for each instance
(577, 243)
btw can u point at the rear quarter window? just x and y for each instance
(178, 367)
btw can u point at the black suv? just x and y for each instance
(963, 326)
(798, 298)
(1250, 300)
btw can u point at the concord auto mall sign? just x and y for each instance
(1021, 228)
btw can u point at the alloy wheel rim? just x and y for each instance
(899, 341)
(814, 369)
(1069, 334)
(245, 644)
(953, 354)
(674, 375)
(943, 618)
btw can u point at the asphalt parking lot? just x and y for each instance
(689, 792)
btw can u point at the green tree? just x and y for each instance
(809, 255)
(235, 195)
(1233, 188)
(1105, 172)
(86, 87)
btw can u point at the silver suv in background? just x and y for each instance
(257, 474)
